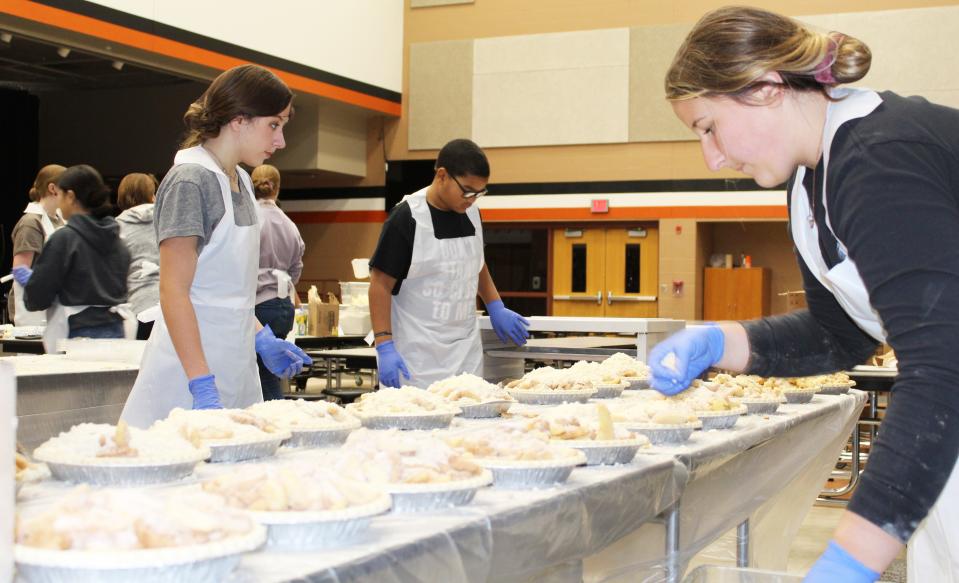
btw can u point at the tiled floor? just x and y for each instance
(810, 542)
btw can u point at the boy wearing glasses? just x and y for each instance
(426, 272)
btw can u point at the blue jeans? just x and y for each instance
(278, 315)
(114, 330)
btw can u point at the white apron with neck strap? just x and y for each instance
(843, 280)
(223, 295)
(933, 551)
(434, 321)
(21, 315)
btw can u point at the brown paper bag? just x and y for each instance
(323, 316)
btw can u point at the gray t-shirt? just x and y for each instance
(189, 204)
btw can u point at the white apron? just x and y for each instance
(223, 294)
(934, 548)
(58, 322)
(21, 315)
(434, 321)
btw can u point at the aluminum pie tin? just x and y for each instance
(721, 419)
(606, 452)
(238, 452)
(424, 497)
(609, 391)
(525, 475)
(418, 421)
(205, 563)
(665, 434)
(293, 530)
(834, 389)
(486, 410)
(321, 436)
(552, 397)
(120, 471)
(130, 475)
(761, 406)
(637, 383)
(799, 396)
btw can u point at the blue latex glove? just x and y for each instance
(22, 274)
(696, 349)
(507, 324)
(835, 564)
(390, 364)
(284, 359)
(205, 395)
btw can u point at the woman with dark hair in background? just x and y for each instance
(135, 197)
(82, 274)
(281, 263)
(40, 219)
(202, 351)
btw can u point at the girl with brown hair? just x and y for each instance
(874, 216)
(202, 351)
(135, 197)
(40, 219)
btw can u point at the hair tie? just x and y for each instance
(823, 73)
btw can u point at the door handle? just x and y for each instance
(610, 298)
(598, 298)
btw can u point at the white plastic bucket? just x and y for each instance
(355, 293)
(361, 268)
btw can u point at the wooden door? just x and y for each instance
(579, 257)
(632, 272)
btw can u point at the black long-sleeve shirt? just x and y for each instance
(893, 200)
(84, 263)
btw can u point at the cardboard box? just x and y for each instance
(324, 317)
(795, 300)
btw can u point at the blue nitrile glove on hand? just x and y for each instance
(835, 564)
(22, 274)
(284, 359)
(205, 395)
(694, 349)
(390, 364)
(507, 324)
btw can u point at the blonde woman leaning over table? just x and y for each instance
(202, 351)
(874, 216)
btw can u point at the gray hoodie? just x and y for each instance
(136, 231)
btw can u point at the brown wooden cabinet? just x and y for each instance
(736, 294)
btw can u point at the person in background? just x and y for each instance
(203, 348)
(281, 263)
(81, 276)
(874, 217)
(135, 197)
(426, 272)
(40, 219)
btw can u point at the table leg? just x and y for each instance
(329, 373)
(742, 544)
(673, 574)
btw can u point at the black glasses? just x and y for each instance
(469, 193)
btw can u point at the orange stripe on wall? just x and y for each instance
(170, 48)
(314, 217)
(563, 214)
(632, 213)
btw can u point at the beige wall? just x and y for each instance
(329, 249)
(633, 161)
(769, 245)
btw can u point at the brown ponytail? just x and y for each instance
(47, 175)
(266, 181)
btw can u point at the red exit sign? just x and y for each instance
(599, 206)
